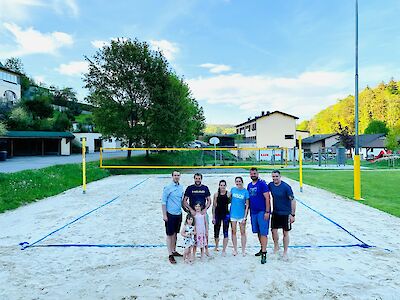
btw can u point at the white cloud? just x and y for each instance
(39, 79)
(99, 43)
(73, 68)
(169, 49)
(73, 7)
(31, 41)
(302, 95)
(214, 68)
(17, 10)
(20, 10)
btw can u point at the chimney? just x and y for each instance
(262, 113)
(248, 119)
(268, 112)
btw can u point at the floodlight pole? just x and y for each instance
(357, 171)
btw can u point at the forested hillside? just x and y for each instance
(380, 103)
(219, 129)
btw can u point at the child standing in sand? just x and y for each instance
(201, 228)
(188, 232)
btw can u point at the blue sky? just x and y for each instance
(239, 57)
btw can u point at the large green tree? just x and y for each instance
(376, 126)
(138, 98)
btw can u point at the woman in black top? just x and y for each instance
(221, 215)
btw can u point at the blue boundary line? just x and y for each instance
(333, 222)
(26, 245)
(211, 246)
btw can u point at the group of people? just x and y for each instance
(228, 208)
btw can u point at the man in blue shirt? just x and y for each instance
(284, 211)
(260, 208)
(172, 213)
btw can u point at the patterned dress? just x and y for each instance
(189, 238)
(201, 238)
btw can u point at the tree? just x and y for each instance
(138, 99)
(345, 139)
(175, 116)
(19, 119)
(304, 125)
(376, 126)
(3, 129)
(14, 64)
(39, 107)
(66, 97)
(61, 122)
(393, 139)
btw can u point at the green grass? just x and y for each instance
(379, 188)
(23, 187)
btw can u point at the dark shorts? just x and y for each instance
(173, 225)
(281, 221)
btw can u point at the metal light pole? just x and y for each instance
(357, 171)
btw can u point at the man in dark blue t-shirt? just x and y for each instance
(197, 193)
(284, 209)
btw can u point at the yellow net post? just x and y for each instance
(101, 157)
(300, 165)
(84, 165)
(357, 178)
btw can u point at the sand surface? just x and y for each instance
(134, 217)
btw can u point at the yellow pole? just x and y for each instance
(300, 165)
(101, 157)
(357, 178)
(84, 165)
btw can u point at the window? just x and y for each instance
(253, 127)
(289, 137)
(8, 77)
(10, 96)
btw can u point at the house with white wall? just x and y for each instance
(10, 87)
(270, 129)
(95, 141)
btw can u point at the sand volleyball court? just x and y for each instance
(113, 248)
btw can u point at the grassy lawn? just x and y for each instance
(379, 188)
(30, 185)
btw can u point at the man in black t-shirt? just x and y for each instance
(197, 192)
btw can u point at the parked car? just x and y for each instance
(202, 144)
(194, 145)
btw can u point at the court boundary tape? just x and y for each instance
(25, 245)
(211, 246)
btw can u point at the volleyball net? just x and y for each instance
(193, 158)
